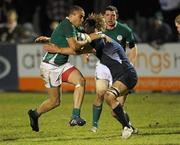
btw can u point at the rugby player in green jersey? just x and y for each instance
(55, 69)
(124, 36)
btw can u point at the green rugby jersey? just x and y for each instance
(122, 34)
(59, 37)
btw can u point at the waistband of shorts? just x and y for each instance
(50, 63)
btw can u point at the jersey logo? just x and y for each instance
(119, 37)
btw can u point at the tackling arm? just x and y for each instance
(42, 39)
(67, 50)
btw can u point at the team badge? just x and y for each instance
(119, 37)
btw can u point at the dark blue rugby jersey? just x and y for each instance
(111, 53)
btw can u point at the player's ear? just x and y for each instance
(117, 16)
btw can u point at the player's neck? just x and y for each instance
(71, 20)
(110, 27)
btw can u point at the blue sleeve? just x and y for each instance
(99, 45)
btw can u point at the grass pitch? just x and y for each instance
(157, 117)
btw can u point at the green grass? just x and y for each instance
(157, 116)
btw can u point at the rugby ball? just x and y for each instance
(81, 36)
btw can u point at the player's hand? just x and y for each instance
(42, 39)
(51, 48)
(108, 39)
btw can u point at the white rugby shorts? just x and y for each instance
(52, 75)
(102, 72)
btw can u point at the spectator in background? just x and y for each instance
(170, 9)
(10, 31)
(177, 23)
(159, 32)
(28, 34)
(5, 6)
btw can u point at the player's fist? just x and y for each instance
(42, 39)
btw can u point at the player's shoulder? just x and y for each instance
(123, 26)
(65, 22)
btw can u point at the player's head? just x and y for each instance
(94, 23)
(110, 15)
(177, 23)
(76, 15)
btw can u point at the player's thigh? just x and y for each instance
(101, 86)
(51, 75)
(54, 93)
(103, 73)
(75, 77)
(72, 75)
(120, 86)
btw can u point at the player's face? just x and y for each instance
(110, 17)
(78, 18)
(178, 27)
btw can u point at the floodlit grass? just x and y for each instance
(157, 116)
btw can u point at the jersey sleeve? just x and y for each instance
(69, 30)
(130, 37)
(99, 45)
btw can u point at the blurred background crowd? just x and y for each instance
(152, 21)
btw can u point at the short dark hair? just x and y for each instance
(74, 8)
(111, 8)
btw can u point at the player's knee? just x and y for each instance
(100, 93)
(101, 87)
(114, 91)
(55, 102)
(81, 82)
(108, 98)
(99, 99)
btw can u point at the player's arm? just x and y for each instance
(52, 48)
(132, 45)
(49, 47)
(83, 47)
(77, 45)
(42, 39)
(133, 54)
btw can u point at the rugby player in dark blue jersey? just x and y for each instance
(123, 73)
(121, 33)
